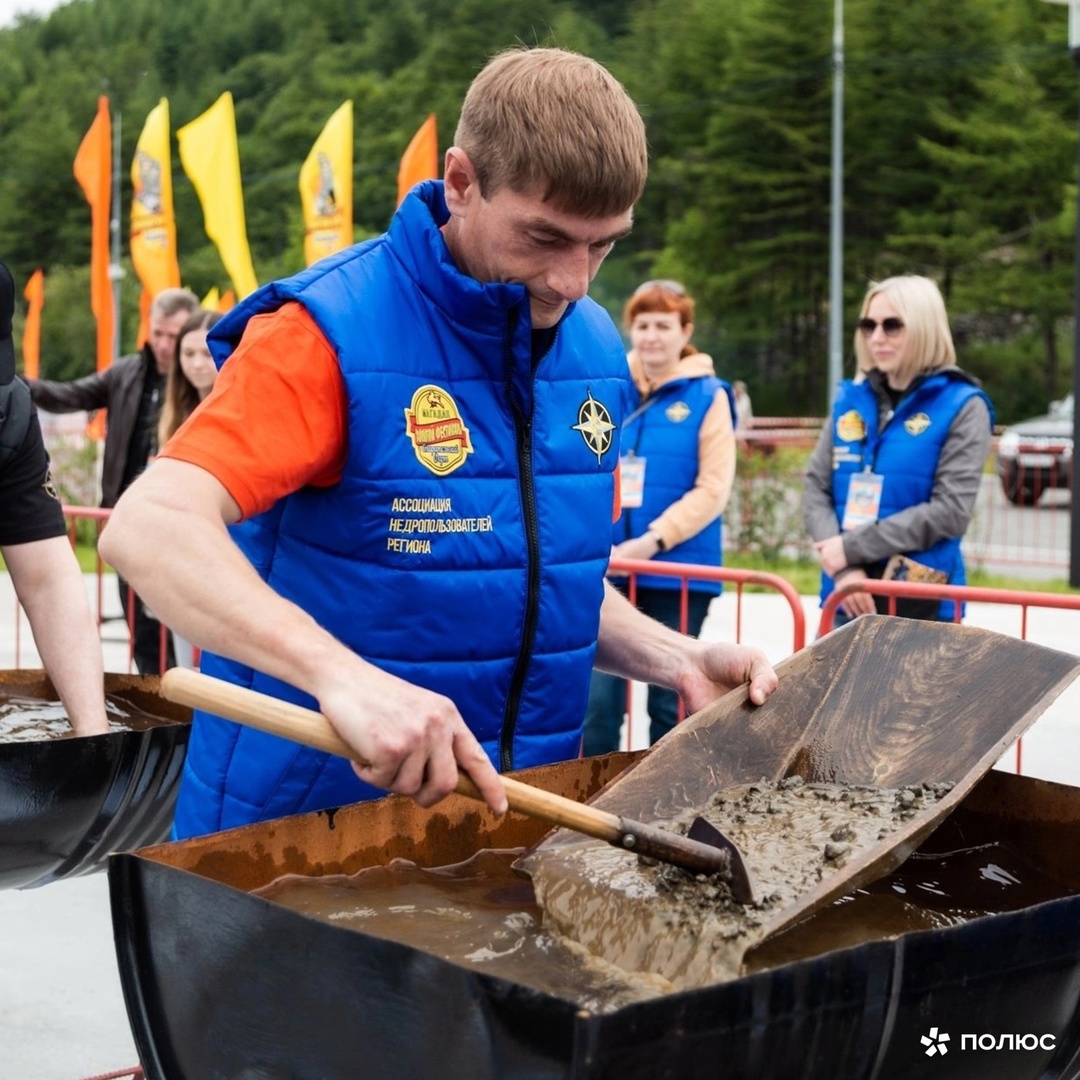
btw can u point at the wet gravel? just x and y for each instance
(651, 917)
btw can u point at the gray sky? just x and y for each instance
(10, 8)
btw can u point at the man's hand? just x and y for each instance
(411, 741)
(718, 667)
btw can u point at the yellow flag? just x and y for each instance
(420, 160)
(211, 300)
(326, 188)
(153, 226)
(31, 339)
(211, 159)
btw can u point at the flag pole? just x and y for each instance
(116, 271)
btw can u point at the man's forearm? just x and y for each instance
(88, 393)
(634, 646)
(180, 559)
(50, 587)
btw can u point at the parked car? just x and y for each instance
(1036, 454)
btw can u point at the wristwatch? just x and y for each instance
(660, 545)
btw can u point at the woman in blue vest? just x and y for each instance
(677, 466)
(897, 469)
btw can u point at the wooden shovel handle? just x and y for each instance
(253, 709)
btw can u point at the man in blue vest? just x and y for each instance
(414, 443)
(34, 543)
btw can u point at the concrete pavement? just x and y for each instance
(62, 1015)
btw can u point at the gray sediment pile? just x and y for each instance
(643, 916)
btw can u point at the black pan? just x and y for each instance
(221, 983)
(65, 804)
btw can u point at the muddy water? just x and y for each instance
(482, 915)
(33, 720)
(928, 892)
(479, 913)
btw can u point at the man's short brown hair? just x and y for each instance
(558, 123)
(169, 302)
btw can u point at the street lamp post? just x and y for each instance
(1074, 513)
(836, 221)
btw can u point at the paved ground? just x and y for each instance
(62, 1014)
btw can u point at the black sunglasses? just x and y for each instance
(891, 326)
(666, 284)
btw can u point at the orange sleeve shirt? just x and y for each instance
(275, 420)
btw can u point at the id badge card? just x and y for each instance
(632, 481)
(863, 500)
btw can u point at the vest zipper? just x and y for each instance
(523, 438)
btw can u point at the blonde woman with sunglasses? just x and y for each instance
(897, 468)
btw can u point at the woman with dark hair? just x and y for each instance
(191, 376)
(677, 467)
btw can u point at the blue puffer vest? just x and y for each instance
(465, 546)
(905, 453)
(665, 431)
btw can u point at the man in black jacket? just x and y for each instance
(131, 391)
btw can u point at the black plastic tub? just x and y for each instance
(223, 984)
(65, 804)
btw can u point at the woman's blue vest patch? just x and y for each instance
(665, 430)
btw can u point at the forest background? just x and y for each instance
(960, 155)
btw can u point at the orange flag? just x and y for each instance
(420, 160)
(93, 170)
(34, 294)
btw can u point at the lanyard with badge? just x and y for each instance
(863, 502)
(632, 467)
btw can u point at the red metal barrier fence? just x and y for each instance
(960, 593)
(687, 573)
(100, 515)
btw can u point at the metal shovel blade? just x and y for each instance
(738, 877)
